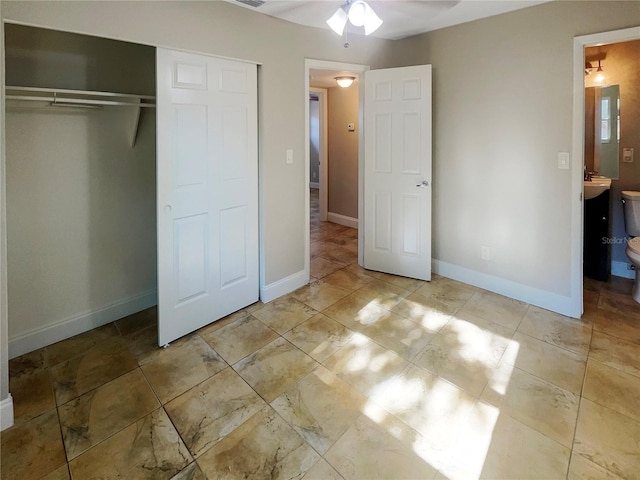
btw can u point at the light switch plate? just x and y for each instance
(563, 160)
(627, 155)
(289, 156)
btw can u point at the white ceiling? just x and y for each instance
(402, 18)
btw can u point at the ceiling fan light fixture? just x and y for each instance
(345, 81)
(373, 23)
(359, 13)
(338, 21)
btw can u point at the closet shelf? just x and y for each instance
(84, 99)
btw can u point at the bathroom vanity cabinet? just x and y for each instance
(596, 235)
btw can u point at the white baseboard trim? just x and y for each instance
(534, 296)
(41, 337)
(620, 269)
(282, 287)
(6, 413)
(342, 220)
(314, 185)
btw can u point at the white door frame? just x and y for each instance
(323, 171)
(358, 70)
(577, 165)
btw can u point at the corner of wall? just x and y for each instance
(6, 402)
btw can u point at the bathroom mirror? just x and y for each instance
(602, 130)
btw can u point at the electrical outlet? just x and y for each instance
(627, 155)
(485, 253)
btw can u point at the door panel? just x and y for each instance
(397, 171)
(207, 190)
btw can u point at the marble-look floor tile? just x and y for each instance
(284, 313)
(344, 254)
(465, 353)
(495, 308)
(319, 337)
(319, 295)
(32, 449)
(32, 394)
(210, 411)
(137, 321)
(265, 446)
(77, 345)
(564, 332)
(321, 267)
(380, 449)
(143, 344)
(553, 364)
(356, 312)
(493, 445)
(61, 473)
(273, 368)
(148, 449)
(399, 334)
(446, 294)
(615, 325)
(623, 305)
(192, 472)
(538, 404)
(241, 338)
(322, 471)
(406, 283)
(98, 414)
(348, 279)
(582, 469)
(28, 363)
(320, 407)
(430, 405)
(232, 317)
(612, 388)
(181, 366)
(430, 314)
(94, 367)
(365, 364)
(383, 294)
(616, 353)
(608, 439)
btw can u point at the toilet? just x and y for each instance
(631, 206)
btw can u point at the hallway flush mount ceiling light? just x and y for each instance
(359, 13)
(344, 81)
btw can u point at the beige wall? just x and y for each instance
(343, 151)
(503, 90)
(622, 67)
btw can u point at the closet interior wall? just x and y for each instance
(81, 201)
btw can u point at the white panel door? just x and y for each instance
(207, 190)
(397, 171)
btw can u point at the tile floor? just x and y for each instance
(359, 375)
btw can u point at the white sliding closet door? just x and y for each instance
(207, 190)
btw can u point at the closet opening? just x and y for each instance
(81, 184)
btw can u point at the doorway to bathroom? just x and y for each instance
(606, 111)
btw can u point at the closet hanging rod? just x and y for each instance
(80, 97)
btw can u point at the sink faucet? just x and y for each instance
(588, 176)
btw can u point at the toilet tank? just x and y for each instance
(631, 212)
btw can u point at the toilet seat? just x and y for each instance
(634, 245)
